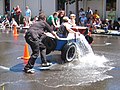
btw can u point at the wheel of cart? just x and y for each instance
(67, 47)
(50, 44)
(68, 52)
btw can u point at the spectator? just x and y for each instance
(96, 14)
(61, 15)
(106, 25)
(96, 24)
(35, 19)
(89, 24)
(81, 11)
(6, 23)
(28, 16)
(25, 22)
(83, 20)
(89, 13)
(13, 23)
(18, 14)
(70, 12)
(72, 20)
(13, 13)
(52, 20)
(111, 15)
(116, 25)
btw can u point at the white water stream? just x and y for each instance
(85, 69)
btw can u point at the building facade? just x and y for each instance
(103, 6)
(50, 6)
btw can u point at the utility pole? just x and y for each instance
(77, 11)
(40, 4)
(67, 7)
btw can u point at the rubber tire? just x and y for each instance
(50, 44)
(68, 52)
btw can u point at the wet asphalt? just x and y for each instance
(76, 75)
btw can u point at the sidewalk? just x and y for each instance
(110, 32)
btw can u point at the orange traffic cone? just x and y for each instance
(15, 31)
(26, 52)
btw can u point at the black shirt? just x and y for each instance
(38, 28)
(62, 30)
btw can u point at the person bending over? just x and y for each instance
(34, 37)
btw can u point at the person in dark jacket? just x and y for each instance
(34, 37)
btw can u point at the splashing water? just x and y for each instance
(83, 47)
(86, 56)
(86, 68)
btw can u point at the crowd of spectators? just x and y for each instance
(88, 18)
(93, 21)
(14, 17)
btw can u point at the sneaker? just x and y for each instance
(30, 71)
(46, 64)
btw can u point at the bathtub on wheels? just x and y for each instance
(67, 46)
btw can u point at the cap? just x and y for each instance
(72, 15)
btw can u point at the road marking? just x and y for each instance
(5, 68)
(108, 43)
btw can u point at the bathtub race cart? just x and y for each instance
(67, 46)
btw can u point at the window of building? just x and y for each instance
(110, 4)
(7, 5)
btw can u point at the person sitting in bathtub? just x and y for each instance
(65, 28)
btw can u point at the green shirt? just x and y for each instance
(50, 18)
